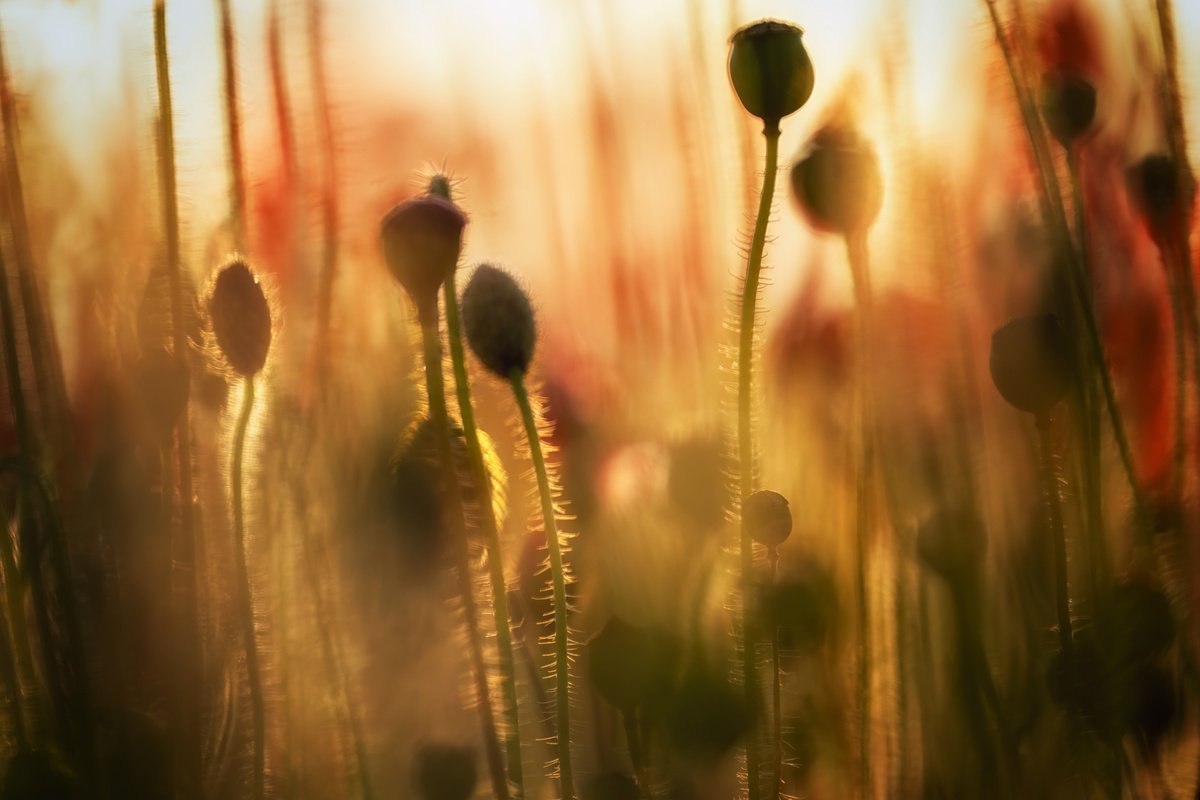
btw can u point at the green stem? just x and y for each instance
(246, 607)
(776, 690)
(491, 531)
(329, 205)
(562, 700)
(441, 423)
(746, 462)
(1049, 475)
(233, 128)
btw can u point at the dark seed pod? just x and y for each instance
(767, 518)
(445, 772)
(163, 386)
(1031, 363)
(498, 321)
(837, 185)
(1161, 194)
(627, 664)
(241, 318)
(611, 786)
(1068, 104)
(952, 543)
(706, 717)
(422, 241)
(770, 70)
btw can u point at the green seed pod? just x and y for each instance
(241, 317)
(767, 518)
(422, 241)
(770, 70)
(498, 321)
(627, 664)
(1031, 363)
(837, 185)
(445, 772)
(1068, 104)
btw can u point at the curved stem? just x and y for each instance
(441, 423)
(746, 463)
(487, 513)
(562, 700)
(250, 641)
(1049, 476)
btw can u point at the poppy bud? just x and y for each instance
(422, 240)
(498, 321)
(445, 772)
(627, 664)
(770, 70)
(241, 318)
(1161, 195)
(1031, 363)
(767, 518)
(837, 185)
(1068, 105)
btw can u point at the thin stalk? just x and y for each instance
(1050, 202)
(746, 463)
(233, 128)
(637, 753)
(329, 203)
(184, 547)
(856, 253)
(441, 423)
(562, 699)
(243, 589)
(491, 532)
(1049, 476)
(776, 690)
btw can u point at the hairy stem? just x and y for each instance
(329, 195)
(562, 699)
(441, 423)
(747, 469)
(776, 690)
(233, 127)
(1049, 476)
(491, 532)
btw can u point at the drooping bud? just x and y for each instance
(1068, 104)
(770, 70)
(422, 241)
(241, 317)
(837, 185)
(498, 321)
(445, 772)
(1031, 363)
(1162, 195)
(767, 518)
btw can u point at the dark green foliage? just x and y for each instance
(38, 775)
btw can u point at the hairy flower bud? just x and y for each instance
(837, 185)
(422, 241)
(770, 70)
(241, 317)
(767, 518)
(498, 321)
(1068, 104)
(1031, 363)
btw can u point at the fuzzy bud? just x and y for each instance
(241, 318)
(837, 185)
(498, 321)
(1031, 363)
(770, 70)
(1068, 104)
(767, 518)
(422, 241)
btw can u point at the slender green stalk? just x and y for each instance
(1049, 476)
(184, 580)
(441, 422)
(747, 468)
(776, 690)
(246, 608)
(329, 198)
(562, 698)
(9, 674)
(491, 532)
(233, 128)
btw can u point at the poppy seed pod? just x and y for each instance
(767, 518)
(1031, 363)
(837, 185)
(422, 240)
(498, 321)
(770, 70)
(1068, 104)
(241, 318)
(445, 772)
